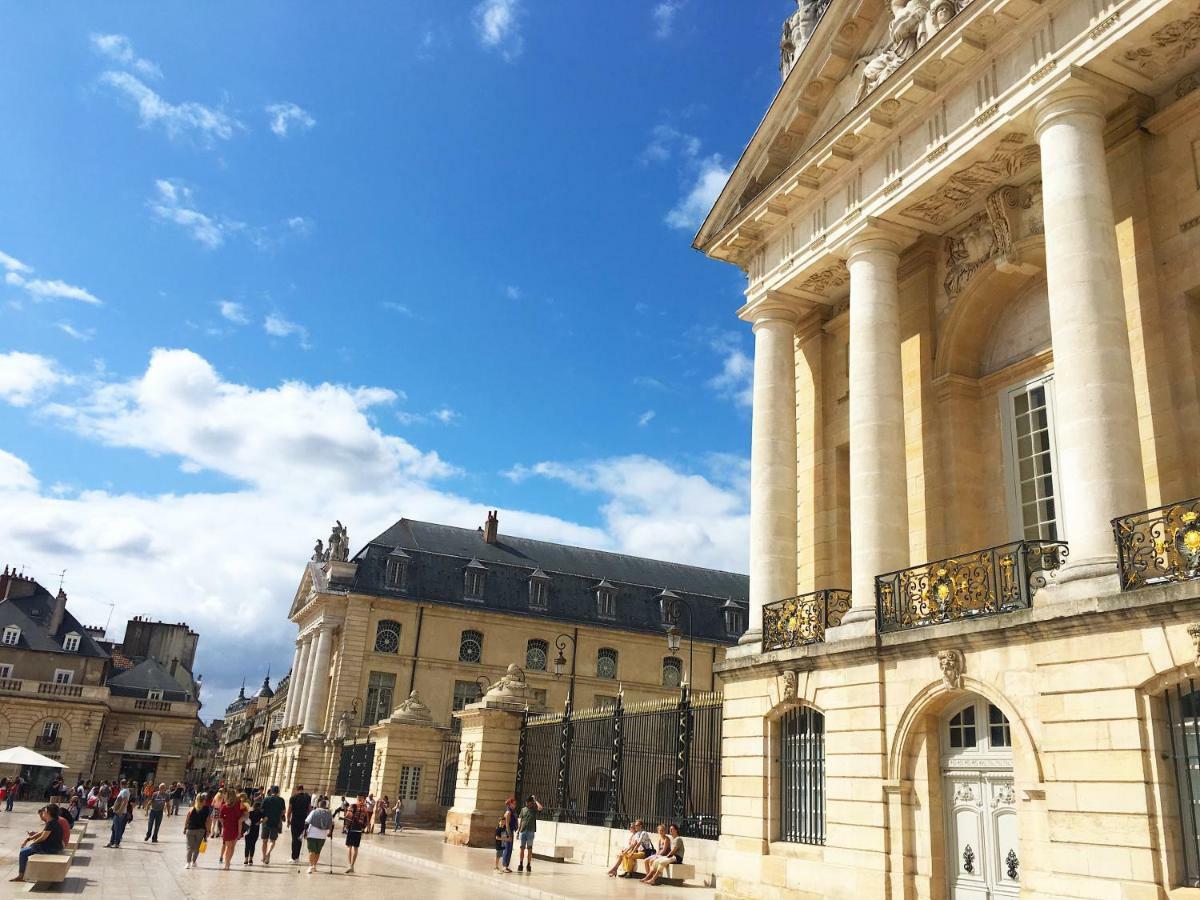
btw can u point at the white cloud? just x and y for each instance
(300, 225)
(118, 48)
(173, 202)
(204, 122)
(646, 418)
(396, 307)
(80, 334)
(54, 289)
(736, 379)
(287, 117)
(498, 25)
(443, 415)
(512, 292)
(663, 15)
(690, 211)
(26, 377)
(233, 312)
(446, 416)
(277, 326)
(10, 264)
(667, 141)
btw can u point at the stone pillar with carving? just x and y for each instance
(772, 462)
(1098, 442)
(878, 489)
(487, 759)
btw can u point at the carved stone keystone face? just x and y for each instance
(787, 687)
(951, 664)
(1194, 634)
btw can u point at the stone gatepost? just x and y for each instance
(487, 759)
(408, 757)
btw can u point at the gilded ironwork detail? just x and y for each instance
(802, 620)
(996, 580)
(1159, 545)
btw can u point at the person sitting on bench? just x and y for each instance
(673, 856)
(48, 840)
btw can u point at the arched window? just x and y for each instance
(802, 776)
(606, 663)
(470, 647)
(145, 740)
(1183, 720)
(535, 655)
(672, 671)
(387, 636)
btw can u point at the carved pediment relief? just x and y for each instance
(1010, 215)
(1165, 48)
(961, 188)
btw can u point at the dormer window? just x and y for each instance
(12, 636)
(71, 642)
(397, 569)
(539, 590)
(606, 600)
(473, 580)
(734, 620)
(153, 694)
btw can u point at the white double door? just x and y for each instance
(983, 853)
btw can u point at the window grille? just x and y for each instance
(606, 663)
(470, 647)
(1183, 720)
(535, 655)
(672, 671)
(802, 776)
(387, 636)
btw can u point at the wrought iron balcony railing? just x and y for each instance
(984, 582)
(802, 620)
(1159, 545)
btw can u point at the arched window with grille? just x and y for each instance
(535, 655)
(802, 776)
(606, 663)
(387, 636)
(470, 647)
(672, 671)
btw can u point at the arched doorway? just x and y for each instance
(983, 852)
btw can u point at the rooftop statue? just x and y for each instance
(797, 29)
(913, 23)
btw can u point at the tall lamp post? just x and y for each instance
(564, 747)
(347, 730)
(673, 606)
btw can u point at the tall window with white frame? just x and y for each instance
(381, 688)
(145, 740)
(802, 776)
(11, 636)
(535, 655)
(470, 646)
(464, 692)
(606, 663)
(71, 642)
(1028, 418)
(48, 739)
(387, 636)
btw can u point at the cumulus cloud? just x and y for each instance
(202, 122)
(288, 117)
(233, 312)
(663, 15)
(735, 381)
(26, 377)
(277, 326)
(498, 26)
(119, 49)
(711, 174)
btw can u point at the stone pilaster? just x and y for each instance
(487, 772)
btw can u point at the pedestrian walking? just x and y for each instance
(252, 826)
(356, 822)
(121, 814)
(195, 829)
(232, 814)
(299, 807)
(273, 809)
(382, 808)
(156, 805)
(319, 825)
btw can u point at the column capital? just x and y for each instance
(877, 235)
(1077, 93)
(771, 306)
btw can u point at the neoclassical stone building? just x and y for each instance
(971, 235)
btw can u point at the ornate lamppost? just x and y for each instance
(564, 747)
(673, 606)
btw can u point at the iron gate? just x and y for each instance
(354, 769)
(448, 772)
(802, 776)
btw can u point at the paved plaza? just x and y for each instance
(413, 861)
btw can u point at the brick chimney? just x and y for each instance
(491, 528)
(58, 609)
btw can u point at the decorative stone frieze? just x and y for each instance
(1167, 46)
(1014, 154)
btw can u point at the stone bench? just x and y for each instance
(47, 868)
(557, 853)
(679, 872)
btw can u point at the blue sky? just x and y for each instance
(265, 265)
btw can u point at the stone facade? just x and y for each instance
(996, 224)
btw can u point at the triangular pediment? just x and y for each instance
(311, 581)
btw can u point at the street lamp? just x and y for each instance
(673, 606)
(560, 662)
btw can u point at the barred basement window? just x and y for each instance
(387, 636)
(672, 671)
(802, 776)
(606, 663)
(470, 647)
(535, 655)
(1183, 720)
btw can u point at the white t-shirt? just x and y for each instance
(644, 841)
(314, 831)
(122, 800)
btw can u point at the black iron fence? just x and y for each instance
(658, 761)
(1159, 545)
(803, 620)
(996, 580)
(448, 771)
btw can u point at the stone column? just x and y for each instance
(878, 492)
(772, 463)
(302, 682)
(1096, 429)
(487, 771)
(289, 715)
(318, 691)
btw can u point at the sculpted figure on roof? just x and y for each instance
(913, 23)
(797, 29)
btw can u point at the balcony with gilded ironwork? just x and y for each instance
(981, 583)
(801, 620)
(1159, 545)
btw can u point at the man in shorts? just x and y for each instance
(272, 822)
(356, 822)
(527, 828)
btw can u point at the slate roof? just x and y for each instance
(147, 675)
(32, 614)
(441, 553)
